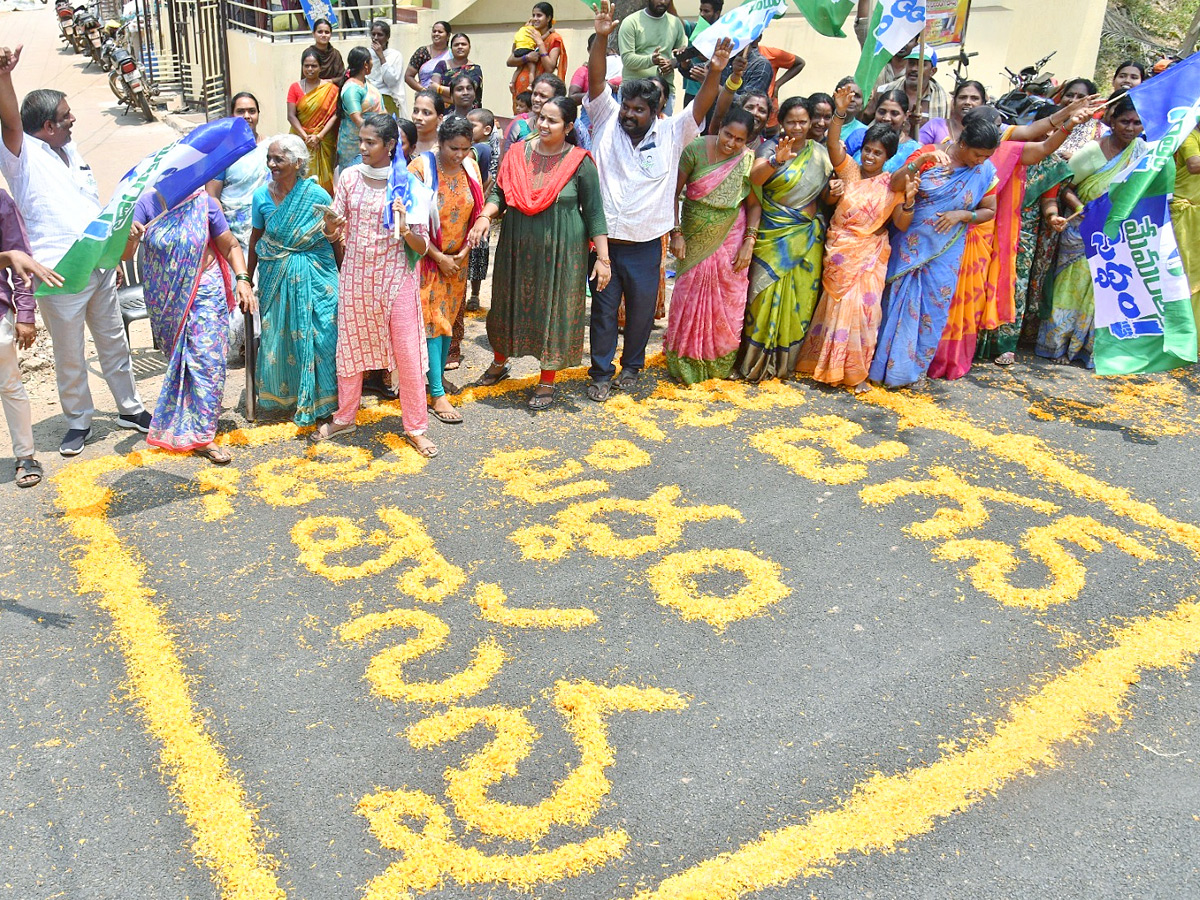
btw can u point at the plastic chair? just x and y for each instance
(131, 295)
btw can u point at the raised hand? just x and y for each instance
(604, 23)
(843, 97)
(720, 55)
(911, 186)
(785, 150)
(739, 65)
(9, 59)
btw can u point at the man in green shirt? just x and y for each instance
(693, 72)
(648, 40)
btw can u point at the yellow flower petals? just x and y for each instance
(616, 455)
(995, 561)
(431, 580)
(524, 480)
(674, 583)
(432, 855)
(838, 435)
(493, 607)
(385, 671)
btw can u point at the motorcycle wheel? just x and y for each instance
(144, 103)
(116, 85)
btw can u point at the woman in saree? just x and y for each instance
(1092, 129)
(549, 194)
(190, 263)
(452, 174)
(985, 296)
(841, 339)
(459, 63)
(713, 245)
(332, 67)
(1067, 334)
(297, 288)
(965, 98)
(548, 56)
(524, 125)
(312, 111)
(423, 62)
(359, 99)
(1185, 212)
(785, 274)
(923, 269)
(380, 324)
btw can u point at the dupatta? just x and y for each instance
(516, 179)
(999, 305)
(706, 225)
(429, 177)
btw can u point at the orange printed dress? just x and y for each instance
(841, 339)
(459, 200)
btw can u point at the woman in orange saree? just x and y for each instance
(313, 114)
(985, 296)
(841, 339)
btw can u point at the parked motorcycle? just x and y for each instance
(1029, 100)
(65, 10)
(126, 81)
(111, 31)
(88, 25)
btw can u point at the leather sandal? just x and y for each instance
(494, 374)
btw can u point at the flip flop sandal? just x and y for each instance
(454, 418)
(627, 380)
(490, 377)
(599, 391)
(214, 455)
(322, 434)
(429, 451)
(1005, 359)
(29, 473)
(541, 399)
(453, 364)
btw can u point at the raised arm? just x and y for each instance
(604, 25)
(726, 95)
(1033, 153)
(707, 94)
(833, 141)
(793, 70)
(914, 166)
(1042, 128)
(10, 110)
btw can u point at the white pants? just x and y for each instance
(17, 411)
(65, 315)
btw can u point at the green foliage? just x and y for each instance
(1144, 29)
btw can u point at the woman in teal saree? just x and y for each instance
(297, 288)
(785, 275)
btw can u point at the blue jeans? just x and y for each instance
(635, 270)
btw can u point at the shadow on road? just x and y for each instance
(38, 617)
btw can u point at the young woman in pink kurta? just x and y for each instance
(380, 323)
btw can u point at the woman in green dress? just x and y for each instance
(1069, 332)
(1185, 212)
(549, 191)
(785, 276)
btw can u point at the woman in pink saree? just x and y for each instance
(713, 244)
(841, 339)
(985, 297)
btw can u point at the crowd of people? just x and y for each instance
(882, 233)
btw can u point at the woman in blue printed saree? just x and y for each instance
(1067, 335)
(923, 271)
(297, 288)
(190, 260)
(785, 275)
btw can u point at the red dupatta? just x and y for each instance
(516, 179)
(999, 306)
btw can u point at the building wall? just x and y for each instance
(1014, 34)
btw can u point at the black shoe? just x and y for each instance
(141, 422)
(73, 441)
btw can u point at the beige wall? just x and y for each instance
(1014, 34)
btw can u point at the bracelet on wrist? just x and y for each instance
(734, 85)
(841, 116)
(907, 208)
(603, 261)
(243, 276)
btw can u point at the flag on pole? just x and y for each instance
(893, 24)
(1169, 105)
(418, 201)
(826, 16)
(1144, 320)
(743, 25)
(175, 171)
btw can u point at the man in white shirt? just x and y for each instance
(57, 195)
(387, 69)
(637, 156)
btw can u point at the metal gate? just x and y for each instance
(182, 46)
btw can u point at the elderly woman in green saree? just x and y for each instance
(785, 275)
(297, 288)
(1068, 333)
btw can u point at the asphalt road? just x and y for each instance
(882, 661)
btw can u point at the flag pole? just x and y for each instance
(914, 115)
(251, 368)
